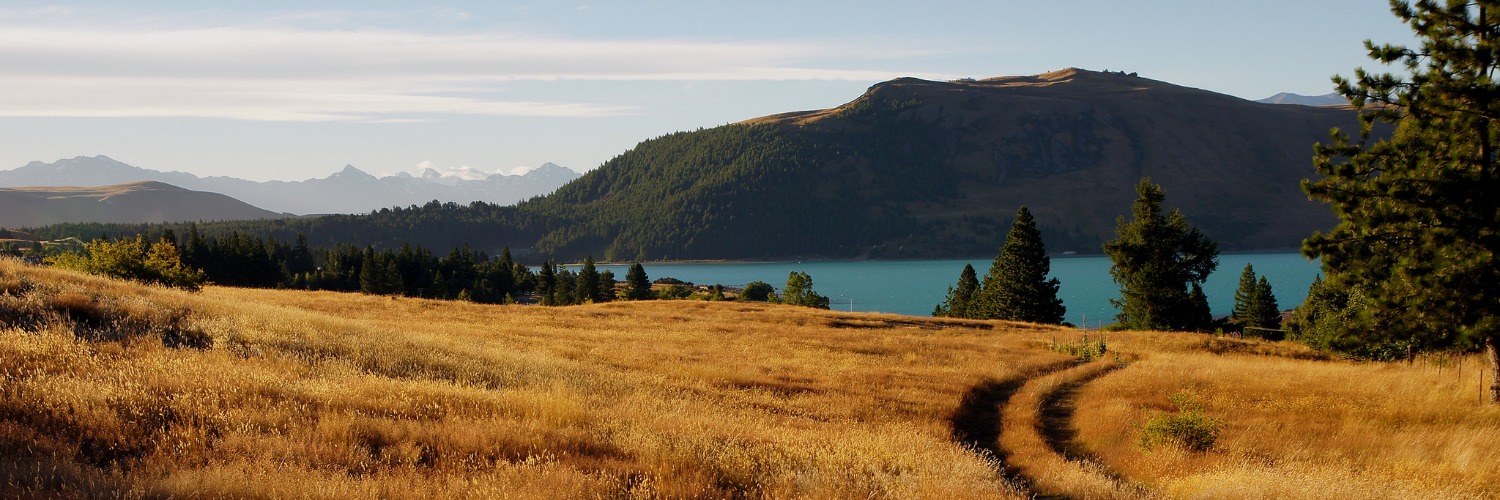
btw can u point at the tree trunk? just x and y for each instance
(1492, 351)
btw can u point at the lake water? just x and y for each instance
(915, 287)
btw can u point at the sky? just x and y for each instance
(292, 90)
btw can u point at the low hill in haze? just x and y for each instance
(1329, 99)
(348, 191)
(136, 202)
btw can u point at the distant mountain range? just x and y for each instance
(347, 191)
(136, 202)
(1330, 99)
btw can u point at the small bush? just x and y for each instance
(1188, 428)
(674, 292)
(1084, 348)
(137, 259)
(757, 291)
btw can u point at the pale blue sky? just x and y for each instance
(296, 89)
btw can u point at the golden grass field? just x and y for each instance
(312, 394)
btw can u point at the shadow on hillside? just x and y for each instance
(888, 323)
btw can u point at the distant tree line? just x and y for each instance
(412, 271)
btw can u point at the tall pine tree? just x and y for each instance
(639, 286)
(1420, 218)
(956, 304)
(1266, 313)
(546, 284)
(1016, 287)
(1157, 257)
(588, 283)
(1244, 295)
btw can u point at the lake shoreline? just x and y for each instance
(914, 287)
(913, 259)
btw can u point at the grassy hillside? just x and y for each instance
(112, 388)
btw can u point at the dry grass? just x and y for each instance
(297, 394)
(332, 395)
(1295, 427)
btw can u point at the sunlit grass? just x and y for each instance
(116, 389)
(327, 394)
(1296, 428)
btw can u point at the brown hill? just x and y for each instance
(136, 202)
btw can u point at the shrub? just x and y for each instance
(757, 291)
(799, 292)
(1188, 428)
(1084, 348)
(135, 259)
(673, 292)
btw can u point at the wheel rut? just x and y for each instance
(1027, 424)
(1056, 417)
(976, 423)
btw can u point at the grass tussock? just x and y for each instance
(298, 394)
(1290, 425)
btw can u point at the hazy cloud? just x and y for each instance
(256, 73)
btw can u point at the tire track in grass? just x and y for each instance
(976, 422)
(1036, 439)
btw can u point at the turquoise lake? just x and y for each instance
(914, 287)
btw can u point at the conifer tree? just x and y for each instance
(300, 260)
(196, 251)
(1244, 295)
(1420, 220)
(502, 274)
(639, 284)
(378, 274)
(1016, 287)
(961, 296)
(1266, 313)
(1157, 257)
(606, 285)
(588, 283)
(565, 292)
(546, 284)
(1198, 317)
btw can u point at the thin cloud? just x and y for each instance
(357, 75)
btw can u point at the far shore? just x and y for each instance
(913, 259)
